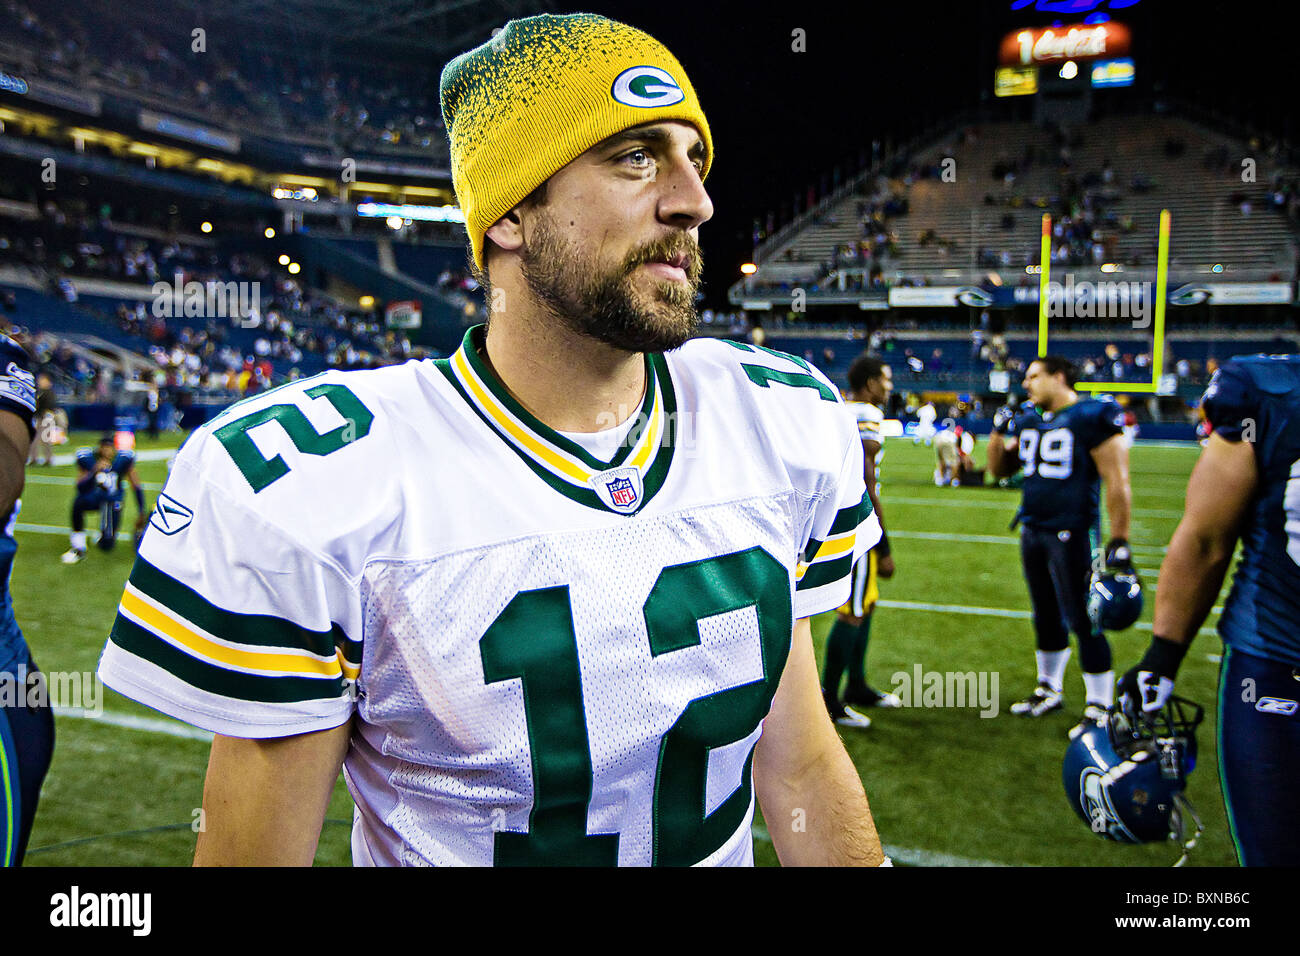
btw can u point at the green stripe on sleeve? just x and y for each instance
(828, 572)
(238, 685)
(351, 651)
(257, 630)
(846, 519)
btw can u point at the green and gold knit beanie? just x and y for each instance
(541, 93)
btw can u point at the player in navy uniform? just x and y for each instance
(1246, 485)
(26, 732)
(1065, 445)
(101, 487)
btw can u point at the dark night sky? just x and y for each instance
(780, 119)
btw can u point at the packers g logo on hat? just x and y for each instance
(543, 91)
(646, 87)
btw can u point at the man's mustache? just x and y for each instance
(670, 249)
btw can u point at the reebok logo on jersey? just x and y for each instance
(1276, 705)
(170, 516)
(646, 87)
(619, 489)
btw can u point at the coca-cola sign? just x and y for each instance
(1034, 45)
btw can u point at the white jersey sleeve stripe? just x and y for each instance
(154, 686)
(244, 657)
(187, 636)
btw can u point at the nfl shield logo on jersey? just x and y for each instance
(619, 489)
(621, 492)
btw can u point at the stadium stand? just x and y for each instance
(972, 202)
(373, 106)
(958, 206)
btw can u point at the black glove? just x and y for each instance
(1148, 686)
(1119, 557)
(1003, 420)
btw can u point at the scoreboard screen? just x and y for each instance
(1113, 72)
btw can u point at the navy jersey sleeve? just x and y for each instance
(123, 461)
(1106, 421)
(17, 383)
(86, 458)
(1025, 417)
(1230, 401)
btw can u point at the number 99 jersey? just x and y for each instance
(551, 659)
(1062, 488)
(1257, 399)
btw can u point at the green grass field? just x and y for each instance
(947, 787)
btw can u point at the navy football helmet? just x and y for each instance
(1115, 600)
(1125, 778)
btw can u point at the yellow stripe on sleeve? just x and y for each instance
(180, 633)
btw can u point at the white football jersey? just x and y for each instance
(550, 658)
(870, 419)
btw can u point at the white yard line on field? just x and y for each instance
(1008, 538)
(70, 480)
(1008, 506)
(154, 725)
(1019, 615)
(55, 529)
(151, 454)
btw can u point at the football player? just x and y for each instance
(563, 619)
(102, 476)
(925, 430)
(1242, 488)
(1066, 446)
(870, 382)
(952, 451)
(26, 721)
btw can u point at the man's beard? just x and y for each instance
(607, 306)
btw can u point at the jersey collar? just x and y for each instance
(623, 484)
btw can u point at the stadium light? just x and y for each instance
(205, 227)
(366, 302)
(269, 232)
(748, 269)
(1217, 267)
(1069, 70)
(294, 268)
(1109, 267)
(394, 222)
(284, 259)
(380, 210)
